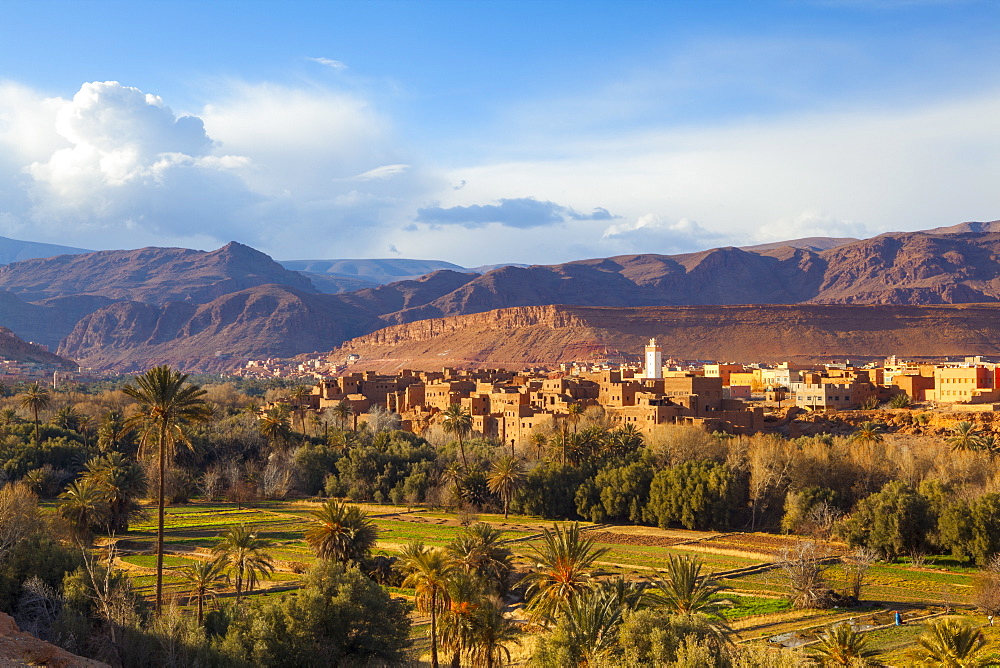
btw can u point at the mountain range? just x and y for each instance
(126, 310)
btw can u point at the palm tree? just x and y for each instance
(458, 421)
(428, 571)
(35, 398)
(243, 552)
(685, 591)
(342, 411)
(952, 643)
(539, 440)
(575, 412)
(8, 416)
(205, 578)
(868, 433)
(341, 532)
(562, 570)
(592, 621)
(477, 551)
(492, 632)
(124, 483)
(298, 398)
(505, 477)
(274, 424)
(167, 405)
(113, 432)
(457, 622)
(841, 645)
(84, 505)
(625, 440)
(965, 437)
(67, 417)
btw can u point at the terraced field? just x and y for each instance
(745, 562)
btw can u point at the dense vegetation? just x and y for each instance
(891, 495)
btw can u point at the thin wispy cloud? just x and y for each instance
(329, 62)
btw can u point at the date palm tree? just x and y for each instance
(124, 483)
(562, 570)
(491, 634)
(35, 398)
(477, 550)
(428, 572)
(504, 478)
(205, 578)
(868, 433)
(965, 436)
(591, 622)
(244, 553)
(84, 505)
(458, 422)
(298, 397)
(341, 532)
(685, 591)
(952, 643)
(342, 411)
(841, 645)
(167, 405)
(274, 425)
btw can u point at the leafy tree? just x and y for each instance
(801, 508)
(647, 637)
(841, 645)
(562, 570)
(458, 421)
(696, 495)
(428, 572)
(244, 553)
(893, 521)
(339, 618)
(168, 404)
(549, 490)
(341, 533)
(35, 398)
(616, 494)
(972, 528)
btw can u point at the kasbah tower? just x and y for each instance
(654, 360)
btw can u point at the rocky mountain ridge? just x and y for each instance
(212, 310)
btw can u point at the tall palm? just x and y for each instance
(342, 411)
(841, 645)
(124, 483)
(965, 436)
(952, 643)
(205, 578)
(575, 413)
(624, 441)
(244, 553)
(562, 570)
(477, 550)
(84, 505)
(456, 625)
(298, 397)
(35, 398)
(341, 532)
(504, 478)
(491, 633)
(685, 591)
(168, 404)
(428, 572)
(459, 422)
(539, 440)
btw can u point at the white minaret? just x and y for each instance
(654, 360)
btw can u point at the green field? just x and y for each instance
(760, 609)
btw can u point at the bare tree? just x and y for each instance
(18, 516)
(806, 575)
(986, 590)
(856, 566)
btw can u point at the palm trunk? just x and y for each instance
(201, 601)
(36, 426)
(434, 637)
(461, 445)
(159, 526)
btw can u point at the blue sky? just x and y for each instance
(482, 132)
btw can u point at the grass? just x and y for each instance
(751, 606)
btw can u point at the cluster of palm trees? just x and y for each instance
(106, 496)
(965, 436)
(950, 642)
(563, 592)
(462, 586)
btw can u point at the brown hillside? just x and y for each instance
(528, 336)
